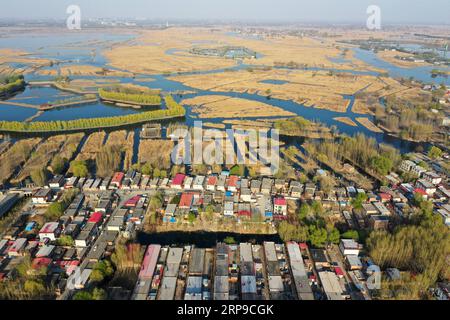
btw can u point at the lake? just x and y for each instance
(86, 48)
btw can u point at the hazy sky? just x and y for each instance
(392, 11)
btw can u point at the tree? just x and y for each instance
(434, 152)
(65, 241)
(54, 211)
(381, 164)
(156, 201)
(101, 270)
(317, 236)
(146, 169)
(191, 217)
(209, 212)
(350, 234)
(229, 240)
(334, 236)
(79, 168)
(34, 287)
(290, 232)
(39, 176)
(108, 160)
(359, 200)
(304, 211)
(58, 164)
(237, 170)
(99, 294)
(82, 295)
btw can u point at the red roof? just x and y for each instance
(117, 177)
(149, 262)
(96, 217)
(303, 245)
(245, 213)
(178, 180)
(49, 227)
(132, 202)
(385, 196)
(186, 200)
(280, 201)
(421, 191)
(212, 180)
(232, 181)
(338, 271)
(40, 263)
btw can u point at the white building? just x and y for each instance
(349, 247)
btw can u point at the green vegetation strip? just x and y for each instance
(11, 83)
(173, 110)
(130, 98)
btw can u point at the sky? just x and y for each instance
(332, 11)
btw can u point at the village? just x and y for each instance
(68, 229)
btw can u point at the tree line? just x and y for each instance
(174, 109)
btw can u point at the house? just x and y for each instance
(105, 184)
(407, 165)
(56, 182)
(255, 186)
(132, 202)
(445, 216)
(296, 189)
(42, 196)
(45, 251)
(266, 186)
(369, 209)
(50, 230)
(96, 185)
(18, 247)
(198, 183)
(177, 182)
(353, 262)
(96, 217)
(244, 184)
(381, 208)
(245, 195)
(349, 246)
(228, 208)
(211, 183)
(135, 182)
(87, 235)
(87, 185)
(432, 177)
(384, 197)
(244, 210)
(144, 183)
(427, 186)
(280, 208)
(221, 183)
(7, 202)
(186, 200)
(187, 185)
(378, 222)
(154, 183)
(71, 183)
(169, 213)
(279, 185)
(232, 184)
(310, 189)
(116, 181)
(103, 205)
(418, 171)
